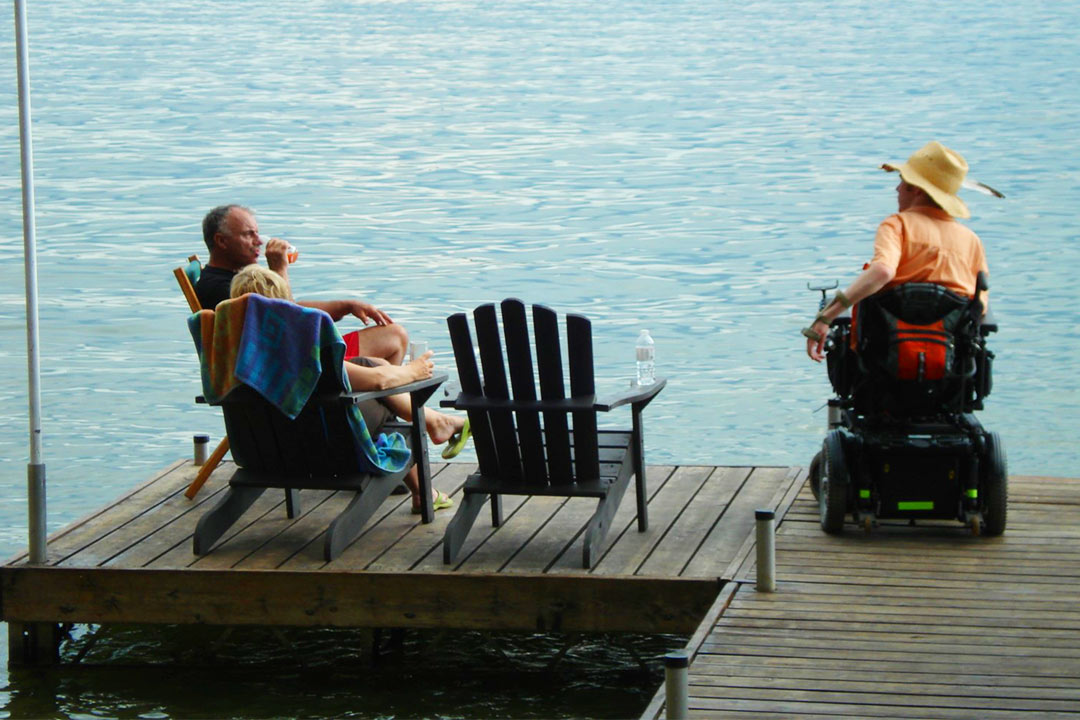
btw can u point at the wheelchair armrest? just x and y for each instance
(988, 324)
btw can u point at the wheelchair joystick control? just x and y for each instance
(823, 287)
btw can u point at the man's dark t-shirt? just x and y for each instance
(213, 286)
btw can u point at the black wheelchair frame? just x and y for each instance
(910, 448)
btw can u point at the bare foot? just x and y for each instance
(441, 427)
(420, 368)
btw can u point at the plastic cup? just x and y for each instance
(416, 349)
(291, 253)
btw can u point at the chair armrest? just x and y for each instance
(430, 384)
(422, 387)
(465, 401)
(640, 395)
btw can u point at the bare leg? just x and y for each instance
(440, 426)
(412, 481)
(386, 342)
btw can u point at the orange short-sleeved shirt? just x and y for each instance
(925, 244)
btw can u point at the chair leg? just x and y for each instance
(208, 467)
(601, 520)
(292, 503)
(458, 527)
(347, 525)
(642, 492)
(418, 443)
(221, 517)
(496, 511)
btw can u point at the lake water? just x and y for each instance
(685, 167)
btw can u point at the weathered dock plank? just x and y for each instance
(727, 538)
(358, 599)
(624, 533)
(132, 561)
(389, 537)
(633, 548)
(97, 523)
(696, 522)
(923, 621)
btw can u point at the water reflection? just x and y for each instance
(206, 672)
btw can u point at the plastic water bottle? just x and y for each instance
(646, 359)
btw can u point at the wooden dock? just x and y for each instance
(922, 621)
(132, 561)
(904, 622)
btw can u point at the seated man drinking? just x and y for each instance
(231, 233)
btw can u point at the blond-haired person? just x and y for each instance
(921, 242)
(369, 374)
(257, 279)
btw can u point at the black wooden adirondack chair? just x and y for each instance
(315, 450)
(549, 445)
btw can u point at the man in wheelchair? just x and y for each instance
(910, 365)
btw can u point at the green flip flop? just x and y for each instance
(441, 501)
(457, 442)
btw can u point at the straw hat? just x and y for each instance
(940, 172)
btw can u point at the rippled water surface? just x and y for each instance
(685, 167)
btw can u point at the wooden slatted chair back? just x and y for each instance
(318, 442)
(527, 437)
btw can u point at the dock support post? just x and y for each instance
(33, 644)
(766, 550)
(677, 685)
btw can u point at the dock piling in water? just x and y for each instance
(677, 684)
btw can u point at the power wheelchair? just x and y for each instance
(908, 369)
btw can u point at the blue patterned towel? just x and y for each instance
(280, 350)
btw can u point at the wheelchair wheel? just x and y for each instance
(815, 476)
(832, 501)
(994, 493)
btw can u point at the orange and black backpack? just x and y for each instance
(912, 348)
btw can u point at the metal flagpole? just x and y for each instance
(36, 468)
